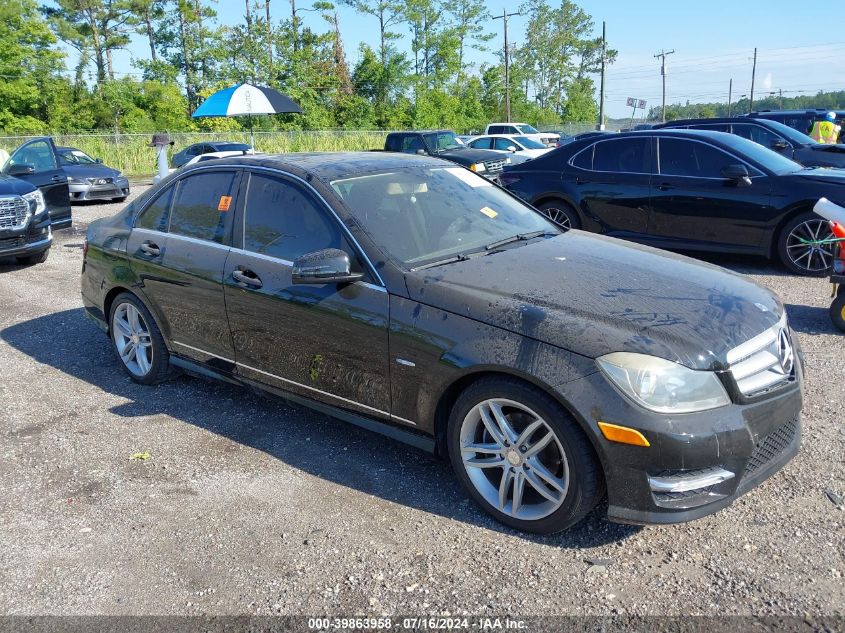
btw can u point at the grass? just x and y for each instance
(129, 152)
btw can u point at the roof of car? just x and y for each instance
(812, 111)
(733, 119)
(332, 165)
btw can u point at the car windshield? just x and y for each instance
(439, 141)
(529, 143)
(527, 129)
(75, 157)
(770, 160)
(421, 216)
(232, 147)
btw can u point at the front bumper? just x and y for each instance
(697, 463)
(34, 238)
(118, 188)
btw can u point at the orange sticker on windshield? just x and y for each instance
(225, 203)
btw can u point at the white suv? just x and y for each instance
(548, 139)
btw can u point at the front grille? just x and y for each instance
(764, 363)
(14, 212)
(771, 446)
(495, 166)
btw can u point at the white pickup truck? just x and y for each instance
(549, 139)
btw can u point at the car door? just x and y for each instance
(181, 268)
(694, 206)
(327, 341)
(37, 162)
(612, 180)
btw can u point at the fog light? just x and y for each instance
(622, 434)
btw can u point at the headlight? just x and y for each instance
(661, 385)
(478, 167)
(77, 181)
(36, 202)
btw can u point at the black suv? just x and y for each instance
(444, 144)
(801, 120)
(34, 199)
(772, 134)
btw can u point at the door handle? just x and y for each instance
(664, 186)
(57, 178)
(247, 277)
(151, 249)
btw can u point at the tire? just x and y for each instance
(837, 311)
(154, 365)
(119, 200)
(809, 261)
(567, 456)
(38, 258)
(561, 213)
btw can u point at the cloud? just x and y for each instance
(767, 81)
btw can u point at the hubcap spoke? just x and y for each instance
(518, 489)
(489, 462)
(490, 425)
(124, 328)
(504, 426)
(529, 431)
(545, 475)
(504, 486)
(539, 445)
(487, 449)
(536, 483)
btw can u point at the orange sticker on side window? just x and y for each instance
(225, 203)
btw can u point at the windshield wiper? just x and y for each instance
(519, 237)
(460, 257)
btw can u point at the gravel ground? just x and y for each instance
(248, 505)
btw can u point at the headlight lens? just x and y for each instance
(78, 181)
(661, 385)
(36, 202)
(478, 167)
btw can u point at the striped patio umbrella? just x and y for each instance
(246, 100)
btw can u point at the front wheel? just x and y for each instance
(561, 214)
(522, 457)
(802, 247)
(137, 340)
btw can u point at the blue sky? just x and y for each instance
(713, 42)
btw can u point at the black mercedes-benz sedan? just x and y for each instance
(415, 298)
(687, 190)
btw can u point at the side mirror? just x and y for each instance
(738, 174)
(512, 149)
(779, 144)
(328, 266)
(422, 152)
(21, 169)
(99, 161)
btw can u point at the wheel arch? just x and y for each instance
(452, 392)
(114, 292)
(805, 206)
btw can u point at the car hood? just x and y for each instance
(470, 155)
(593, 295)
(14, 186)
(90, 171)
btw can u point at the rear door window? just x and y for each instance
(584, 159)
(481, 143)
(496, 129)
(756, 133)
(204, 205)
(624, 155)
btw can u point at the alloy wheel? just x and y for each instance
(558, 216)
(132, 339)
(514, 459)
(808, 256)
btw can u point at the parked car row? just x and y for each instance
(405, 293)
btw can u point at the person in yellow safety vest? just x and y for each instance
(826, 131)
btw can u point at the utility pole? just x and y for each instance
(603, 60)
(753, 72)
(662, 55)
(730, 95)
(504, 17)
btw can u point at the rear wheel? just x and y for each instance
(137, 340)
(837, 311)
(799, 247)
(38, 258)
(561, 213)
(521, 457)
